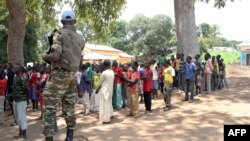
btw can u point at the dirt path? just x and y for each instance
(201, 120)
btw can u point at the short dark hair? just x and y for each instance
(168, 62)
(88, 64)
(84, 67)
(197, 56)
(207, 56)
(107, 63)
(153, 61)
(115, 63)
(2, 74)
(189, 58)
(135, 63)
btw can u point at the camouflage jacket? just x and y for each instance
(69, 44)
(20, 89)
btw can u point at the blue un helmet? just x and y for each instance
(68, 15)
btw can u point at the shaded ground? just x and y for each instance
(201, 120)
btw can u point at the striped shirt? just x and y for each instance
(182, 66)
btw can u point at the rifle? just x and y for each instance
(50, 39)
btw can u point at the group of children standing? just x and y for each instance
(192, 76)
(19, 85)
(125, 92)
(195, 77)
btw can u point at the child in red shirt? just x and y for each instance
(3, 86)
(133, 90)
(147, 86)
(32, 89)
(117, 95)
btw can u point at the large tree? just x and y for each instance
(16, 30)
(187, 42)
(150, 36)
(99, 15)
(31, 48)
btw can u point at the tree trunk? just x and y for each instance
(187, 41)
(16, 31)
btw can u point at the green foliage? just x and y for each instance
(150, 35)
(99, 14)
(203, 30)
(3, 35)
(209, 36)
(31, 49)
(95, 18)
(118, 37)
(218, 3)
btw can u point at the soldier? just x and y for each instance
(65, 58)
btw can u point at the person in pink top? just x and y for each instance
(208, 71)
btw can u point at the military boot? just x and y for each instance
(48, 138)
(24, 134)
(20, 132)
(70, 135)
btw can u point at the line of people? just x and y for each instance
(133, 83)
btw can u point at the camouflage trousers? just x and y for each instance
(61, 87)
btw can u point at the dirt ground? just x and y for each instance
(202, 120)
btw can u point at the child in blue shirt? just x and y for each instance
(189, 77)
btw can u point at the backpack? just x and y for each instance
(168, 78)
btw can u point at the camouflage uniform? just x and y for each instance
(61, 86)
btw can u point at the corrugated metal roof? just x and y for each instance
(245, 43)
(123, 54)
(95, 56)
(101, 47)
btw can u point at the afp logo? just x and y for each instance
(236, 132)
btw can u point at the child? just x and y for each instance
(117, 94)
(32, 88)
(126, 74)
(161, 78)
(147, 87)
(133, 90)
(20, 91)
(155, 85)
(190, 74)
(85, 90)
(3, 86)
(198, 75)
(95, 96)
(181, 72)
(215, 72)
(168, 82)
(41, 86)
(141, 70)
(223, 82)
